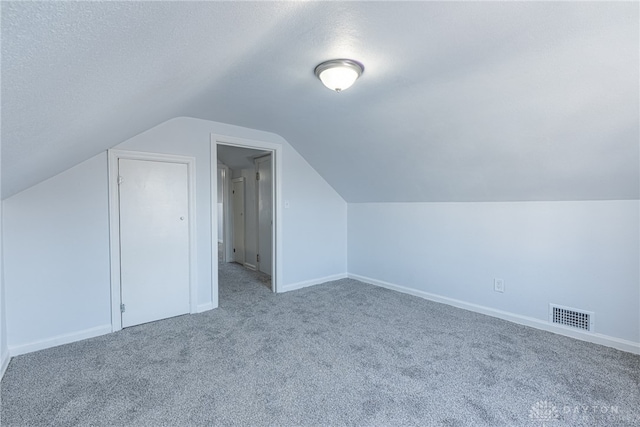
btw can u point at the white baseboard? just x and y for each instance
(4, 363)
(59, 340)
(204, 307)
(306, 283)
(606, 340)
(249, 266)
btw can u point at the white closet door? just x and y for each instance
(154, 240)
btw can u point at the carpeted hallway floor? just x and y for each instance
(342, 353)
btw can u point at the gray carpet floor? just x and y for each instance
(342, 353)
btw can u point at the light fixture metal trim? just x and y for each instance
(345, 64)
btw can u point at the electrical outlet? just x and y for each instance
(498, 285)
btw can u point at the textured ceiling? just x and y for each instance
(458, 102)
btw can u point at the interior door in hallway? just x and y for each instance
(154, 240)
(237, 194)
(265, 213)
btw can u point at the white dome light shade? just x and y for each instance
(339, 74)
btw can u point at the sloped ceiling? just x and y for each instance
(458, 102)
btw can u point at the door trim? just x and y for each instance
(114, 225)
(276, 196)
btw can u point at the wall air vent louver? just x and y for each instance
(572, 317)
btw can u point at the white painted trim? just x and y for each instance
(213, 218)
(250, 266)
(205, 307)
(114, 225)
(59, 340)
(312, 282)
(277, 155)
(606, 340)
(4, 363)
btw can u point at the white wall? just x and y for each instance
(583, 255)
(56, 236)
(56, 239)
(314, 224)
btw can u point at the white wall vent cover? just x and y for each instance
(572, 317)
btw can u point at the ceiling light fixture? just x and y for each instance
(339, 74)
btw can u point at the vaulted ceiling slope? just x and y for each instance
(458, 101)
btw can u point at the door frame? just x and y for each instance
(276, 196)
(114, 225)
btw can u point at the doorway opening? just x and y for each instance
(246, 218)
